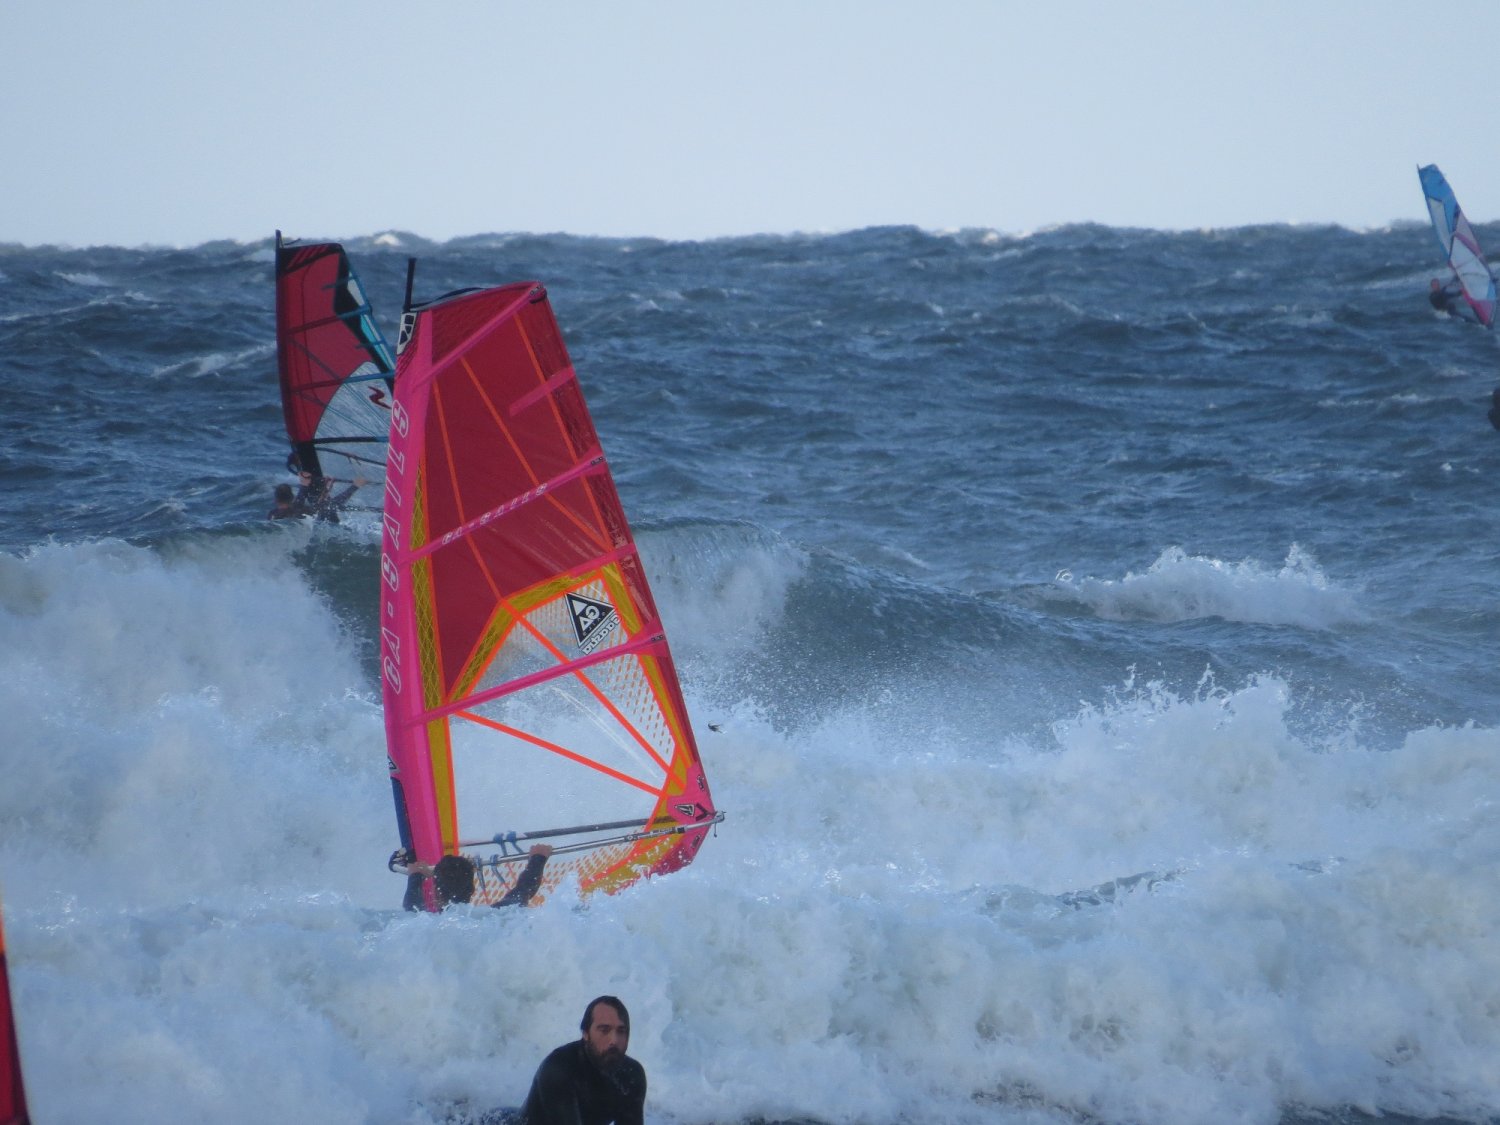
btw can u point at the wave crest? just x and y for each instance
(1183, 587)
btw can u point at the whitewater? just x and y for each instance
(1090, 636)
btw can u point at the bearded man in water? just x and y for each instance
(590, 1081)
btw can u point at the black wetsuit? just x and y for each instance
(1450, 299)
(526, 885)
(570, 1090)
(317, 500)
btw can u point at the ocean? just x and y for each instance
(1091, 637)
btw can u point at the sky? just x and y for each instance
(175, 122)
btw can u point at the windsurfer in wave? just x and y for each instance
(311, 499)
(1449, 299)
(592, 1080)
(453, 880)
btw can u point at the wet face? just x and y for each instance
(607, 1037)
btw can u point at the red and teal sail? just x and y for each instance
(335, 367)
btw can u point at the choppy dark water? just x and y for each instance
(1009, 567)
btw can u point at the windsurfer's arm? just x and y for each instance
(329, 508)
(402, 863)
(343, 497)
(530, 880)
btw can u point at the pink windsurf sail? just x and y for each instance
(530, 694)
(12, 1091)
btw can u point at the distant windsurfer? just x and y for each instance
(590, 1081)
(311, 499)
(453, 880)
(1450, 299)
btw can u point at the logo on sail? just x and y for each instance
(593, 620)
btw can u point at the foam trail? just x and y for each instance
(1182, 587)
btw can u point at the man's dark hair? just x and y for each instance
(283, 494)
(614, 1002)
(454, 876)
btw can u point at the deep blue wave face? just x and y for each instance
(1002, 566)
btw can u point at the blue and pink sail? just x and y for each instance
(1459, 246)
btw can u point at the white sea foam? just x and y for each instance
(214, 363)
(1183, 587)
(719, 588)
(196, 819)
(88, 279)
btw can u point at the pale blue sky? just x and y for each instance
(179, 121)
